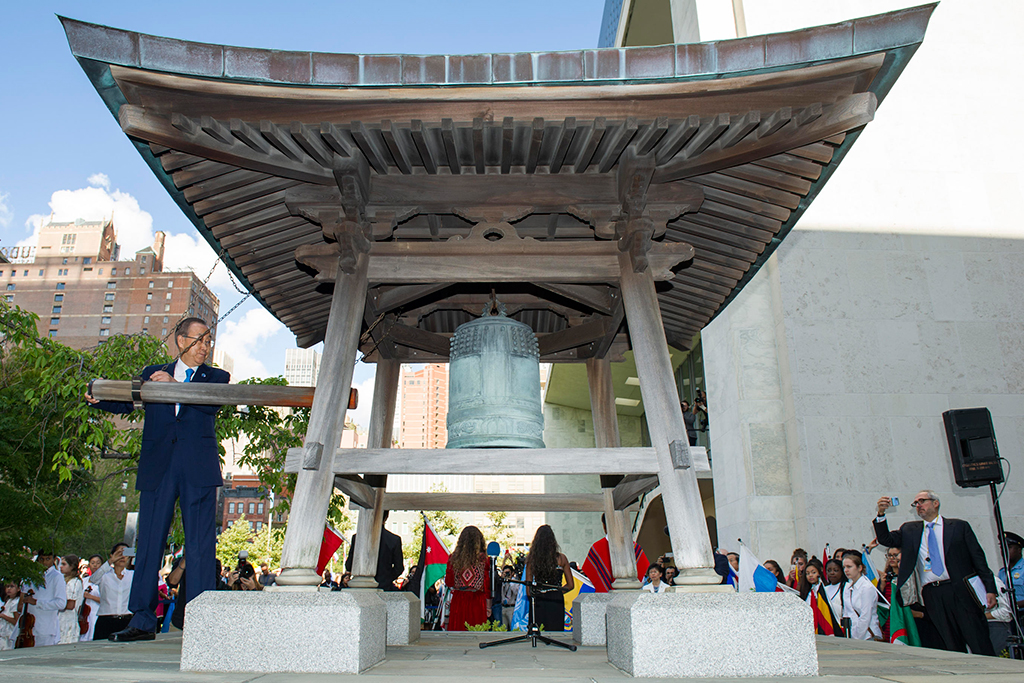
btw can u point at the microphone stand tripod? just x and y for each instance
(532, 630)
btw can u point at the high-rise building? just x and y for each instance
(301, 367)
(423, 407)
(83, 293)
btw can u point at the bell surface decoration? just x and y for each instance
(494, 384)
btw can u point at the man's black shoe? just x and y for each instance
(131, 634)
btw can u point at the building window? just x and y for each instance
(127, 271)
(10, 298)
(259, 508)
(252, 526)
(86, 260)
(148, 307)
(64, 262)
(113, 272)
(231, 523)
(168, 296)
(109, 296)
(231, 508)
(170, 283)
(55, 321)
(104, 333)
(60, 285)
(252, 508)
(53, 333)
(10, 287)
(145, 330)
(143, 259)
(151, 284)
(167, 308)
(111, 285)
(149, 296)
(56, 309)
(108, 309)
(142, 271)
(163, 332)
(100, 272)
(105, 320)
(146, 319)
(40, 272)
(259, 525)
(58, 297)
(165, 319)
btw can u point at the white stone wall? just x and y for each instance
(829, 374)
(566, 427)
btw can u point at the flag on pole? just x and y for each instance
(753, 576)
(869, 569)
(581, 584)
(826, 554)
(432, 563)
(825, 622)
(902, 628)
(330, 544)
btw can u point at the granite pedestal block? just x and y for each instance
(688, 635)
(403, 616)
(588, 618)
(310, 632)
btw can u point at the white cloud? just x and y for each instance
(6, 215)
(242, 340)
(133, 225)
(185, 252)
(99, 180)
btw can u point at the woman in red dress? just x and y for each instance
(467, 575)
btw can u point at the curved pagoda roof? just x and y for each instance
(720, 145)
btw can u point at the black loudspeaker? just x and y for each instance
(972, 447)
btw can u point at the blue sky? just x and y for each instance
(61, 150)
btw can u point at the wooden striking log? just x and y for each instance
(510, 502)
(199, 393)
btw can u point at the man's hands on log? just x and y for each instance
(158, 376)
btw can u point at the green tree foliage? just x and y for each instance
(498, 530)
(235, 538)
(49, 438)
(267, 545)
(448, 526)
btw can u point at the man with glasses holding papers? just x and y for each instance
(938, 557)
(179, 461)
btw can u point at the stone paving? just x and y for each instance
(439, 657)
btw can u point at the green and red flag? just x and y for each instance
(432, 563)
(902, 628)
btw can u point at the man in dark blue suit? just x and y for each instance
(179, 462)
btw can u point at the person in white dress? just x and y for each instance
(860, 600)
(70, 631)
(10, 612)
(91, 597)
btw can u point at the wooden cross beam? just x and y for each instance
(202, 393)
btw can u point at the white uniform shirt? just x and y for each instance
(113, 591)
(860, 604)
(51, 597)
(925, 574)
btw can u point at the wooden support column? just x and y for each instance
(606, 435)
(684, 510)
(371, 520)
(326, 421)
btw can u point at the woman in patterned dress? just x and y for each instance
(68, 617)
(467, 575)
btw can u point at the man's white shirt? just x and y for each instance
(51, 597)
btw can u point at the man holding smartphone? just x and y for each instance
(180, 463)
(937, 554)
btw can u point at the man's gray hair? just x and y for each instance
(934, 496)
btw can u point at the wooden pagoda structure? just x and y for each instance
(612, 198)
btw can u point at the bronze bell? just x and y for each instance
(494, 384)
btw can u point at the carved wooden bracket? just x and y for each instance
(635, 239)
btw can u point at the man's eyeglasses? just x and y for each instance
(204, 341)
(919, 503)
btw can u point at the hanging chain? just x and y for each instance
(366, 335)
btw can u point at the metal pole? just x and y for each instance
(1014, 644)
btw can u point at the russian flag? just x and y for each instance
(754, 576)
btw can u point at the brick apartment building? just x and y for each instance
(423, 407)
(242, 494)
(84, 293)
